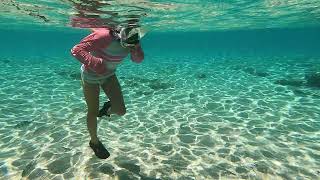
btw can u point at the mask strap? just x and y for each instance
(133, 32)
(123, 34)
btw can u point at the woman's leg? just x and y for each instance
(91, 94)
(113, 90)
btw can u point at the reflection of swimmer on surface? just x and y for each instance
(100, 53)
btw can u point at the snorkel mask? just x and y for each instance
(129, 36)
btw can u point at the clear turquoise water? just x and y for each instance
(233, 102)
(211, 108)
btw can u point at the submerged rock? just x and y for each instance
(262, 74)
(249, 70)
(130, 167)
(5, 61)
(236, 67)
(59, 166)
(71, 74)
(107, 169)
(293, 82)
(124, 174)
(255, 72)
(131, 83)
(299, 92)
(145, 93)
(201, 76)
(29, 168)
(75, 76)
(22, 124)
(157, 85)
(313, 79)
(38, 174)
(4, 171)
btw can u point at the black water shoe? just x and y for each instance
(104, 110)
(99, 150)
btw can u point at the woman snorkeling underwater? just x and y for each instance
(100, 52)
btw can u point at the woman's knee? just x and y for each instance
(121, 111)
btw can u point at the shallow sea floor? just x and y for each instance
(191, 117)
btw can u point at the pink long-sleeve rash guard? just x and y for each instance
(93, 52)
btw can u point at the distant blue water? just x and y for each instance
(202, 105)
(264, 42)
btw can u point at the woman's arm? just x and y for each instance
(137, 54)
(93, 42)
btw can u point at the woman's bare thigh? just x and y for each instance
(91, 94)
(113, 90)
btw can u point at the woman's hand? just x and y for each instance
(137, 54)
(135, 47)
